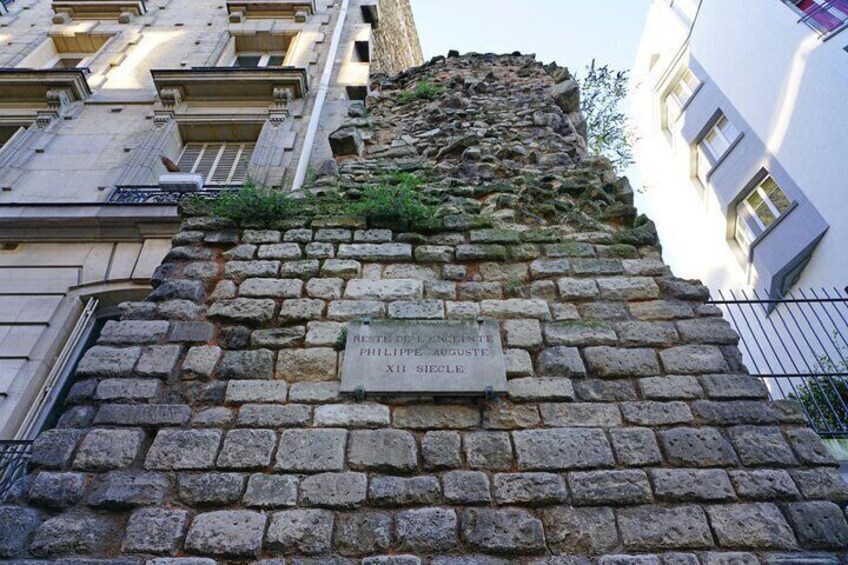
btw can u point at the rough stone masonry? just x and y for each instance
(207, 426)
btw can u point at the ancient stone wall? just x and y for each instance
(396, 44)
(207, 424)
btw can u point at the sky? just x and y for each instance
(569, 32)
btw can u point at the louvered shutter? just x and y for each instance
(240, 169)
(219, 163)
(188, 159)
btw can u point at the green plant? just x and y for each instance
(341, 341)
(255, 204)
(513, 286)
(395, 202)
(424, 90)
(608, 130)
(825, 397)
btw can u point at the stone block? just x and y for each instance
(441, 450)
(573, 530)
(355, 309)
(628, 288)
(72, 533)
(613, 488)
(516, 308)
(650, 334)
(621, 362)
(283, 251)
(660, 310)
(200, 361)
(670, 387)
(436, 416)
(17, 524)
(277, 338)
(821, 483)
(526, 334)
(380, 252)
(734, 386)
(159, 361)
(758, 526)
(809, 447)
(325, 289)
(579, 333)
(488, 450)
(313, 392)
(440, 290)
(183, 449)
(693, 359)
(271, 288)
(270, 491)
(652, 413)
(531, 489)
(363, 533)
(707, 330)
(386, 289)
(243, 310)
(818, 525)
(434, 254)
(692, 485)
(476, 291)
(518, 362)
(310, 364)
(103, 450)
(154, 530)
(119, 490)
(560, 361)
(427, 530)
(334, 490)
(577, 289)
(651, 528)
(759, 446)
(311, 451)
(581, 414)
(402, 491)
(540, 389)
(466, 487)
(306, 532)
(210, 489)
(239, 392)
(240, 270)
(303, 269)
(133, 332)
(417, 310)
(299, 309)
(541, 268)
(250, 364)
(226, 533)
(510, 531)
(323, 333)
(146, 415)
(102, 361)
(766, 485)
(508, 416)
(56, 490)
(352, 415)
(697, 447)
(383, 450)
(53, 449)
(562, 449)
(247, 449)
(635, 447)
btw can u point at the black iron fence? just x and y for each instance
(155, 195)
(798, 345)
(14, 457)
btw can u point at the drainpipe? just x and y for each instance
(320, 98)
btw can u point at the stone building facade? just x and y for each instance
(630, 432)
(94, 93)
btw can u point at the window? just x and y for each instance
(219, 163)
(256, 60)
(760, 209)
(715, 144)
(7, 133)
(676, 100)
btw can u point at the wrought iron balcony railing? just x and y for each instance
(155, 195)
(14, 457)
(798, 346)
(823, 16)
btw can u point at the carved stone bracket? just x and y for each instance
(170, 97)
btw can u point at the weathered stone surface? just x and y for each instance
(54, 449)
(697, 447)
(466, 487)
(651, 528)
(244, 310)
(271, 288)
(751, 526)
(387, 289)
(692, 485)
(273, 415)
(693, 359)
(818, 525)
(764, 485)
(650, 413)
(129, 389)
(809, 447)
(383, 450)
(144, 415)
(74, 533)
(582, 414)
(613, 362)
(134, 332)
(376, 251)
(760, 446)
(734, 386)
(572, 530)
(210, 488)
(311, 450)
(298, 309)
(183, 449)
(200, 361)
(529, 488)
(17, 525)
(441, 450)
(56, 490)
(488, 450)
(154, 530)
(671, 387)
(226, 533)
(579, 333)
(401, 491)
(334, 490)
(600, 488)
(158, 361)
(103, 450)
(102, 361)
(516, 308)
(310, 364)
(540, 389)
(247, 449)
(427, 530)
(306, 532)
(508, 531)
(352, 415)
(561, 449)
(127, 489)
(436, 416)
(363, 533)
(560, 361)
(271, 491)
(635, 446)
(256, 391)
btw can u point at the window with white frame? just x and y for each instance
(714, 145)
(758, 210)
(679, 95)
(219, 163)
(259, 60)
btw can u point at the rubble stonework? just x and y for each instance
(207, 425)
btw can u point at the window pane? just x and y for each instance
(727, 128)
(765, 214)
(704, 166)
(776, 196)
(276, 60)
(248, 61)
(754, 199)
(67, 63)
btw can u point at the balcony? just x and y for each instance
(297, 9)
(823, 16)
(228, 84)
(43, 86)
(121, 10)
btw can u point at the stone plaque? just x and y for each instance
(457, 357)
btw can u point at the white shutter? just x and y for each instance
(219, 163)
(226, 161)
(240, 169)
(188, 159)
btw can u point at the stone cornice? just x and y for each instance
(87, 222)
(227, 84)
(42, 86)
(270, 8)
(99, 9)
